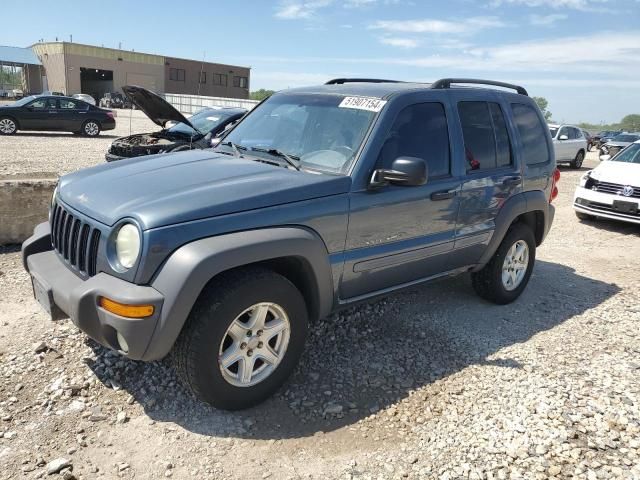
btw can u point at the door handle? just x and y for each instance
(512, 181)
(447, 194)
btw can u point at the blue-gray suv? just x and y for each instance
(319, 198)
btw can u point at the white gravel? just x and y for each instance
(430, 383)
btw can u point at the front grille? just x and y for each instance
(75, 240)
(614, 189)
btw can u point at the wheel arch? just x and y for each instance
(297, 253)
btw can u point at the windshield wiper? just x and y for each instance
(236, 148)
(290, 159)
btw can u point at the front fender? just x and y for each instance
(192, 266)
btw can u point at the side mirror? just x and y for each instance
(604, 158)
(563, 137)
(406, 171)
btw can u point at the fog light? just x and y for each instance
(129, 311)
(124, 346)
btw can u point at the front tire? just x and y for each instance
(91, 128)
(243, 338)
(577, 162)
(507, 274)
(8, 126)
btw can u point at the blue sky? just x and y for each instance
(582, 55)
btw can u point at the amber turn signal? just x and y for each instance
(129, 311)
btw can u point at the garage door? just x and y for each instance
(142, 80)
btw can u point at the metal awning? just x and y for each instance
(18, 56)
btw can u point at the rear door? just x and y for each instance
(491, 171)
(72, 114)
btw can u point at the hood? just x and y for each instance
(172, 188)
(154, 106)
(622, 173)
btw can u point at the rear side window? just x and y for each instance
(486, 140)
(532, 134)
(421, 131)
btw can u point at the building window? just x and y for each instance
(242, 82)
(176, 74)
(220, 79)
(203, 77)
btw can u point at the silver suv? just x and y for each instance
(569, 144)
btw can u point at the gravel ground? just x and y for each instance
(62, 152)
(430, 383)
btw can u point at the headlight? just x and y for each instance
(584, 179)
(128, 245)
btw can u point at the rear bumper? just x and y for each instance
(108, 124)
(79, 298)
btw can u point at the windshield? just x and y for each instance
(24, 101)
(631, 154)
(204, 121)
(323, 132)
(553, 131)
(625, 138)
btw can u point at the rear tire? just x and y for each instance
(221, 324)
(577, 162)
(8, 126)
(489, 283)
(91, 128)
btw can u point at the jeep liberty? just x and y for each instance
(319, 198)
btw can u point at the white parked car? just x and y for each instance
(85, 98)
(612, 189)
(569, 143)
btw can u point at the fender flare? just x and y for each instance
(515, 206)
(188, 270)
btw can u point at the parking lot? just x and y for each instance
(430, 383)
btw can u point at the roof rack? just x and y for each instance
(341, 81)
(446, 83)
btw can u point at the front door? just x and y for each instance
(563, 146)
(399, 234)
(492, 171)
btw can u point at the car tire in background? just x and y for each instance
(507, 274)
(8, 126)
(242, 339)
(91, 128)
(577, 162)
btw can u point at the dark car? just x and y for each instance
(589, 138)
(604, 136)
(617, 143)
(55, 113)
(320, 198)
(193, 133)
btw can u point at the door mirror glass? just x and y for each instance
(406, 171)
(604, 158)
(563, 137)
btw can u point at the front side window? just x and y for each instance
(564, 131)
(631, 154)
(532, 134)
(315, 129)
(486, 140)
(419, 131)
(44, 103)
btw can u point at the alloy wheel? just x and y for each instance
(7, 126)
(515, 265)
(254, 344)
(91, 129)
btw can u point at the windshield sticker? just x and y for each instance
(363, 103)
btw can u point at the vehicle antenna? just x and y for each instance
(199, 83)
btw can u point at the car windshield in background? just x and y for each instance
(323, 132)
(625, 138)
(553, 132)
(631, 154)
(203, 121)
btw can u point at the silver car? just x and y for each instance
(85, 98)
(569, 143)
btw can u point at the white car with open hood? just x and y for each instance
(612, 189)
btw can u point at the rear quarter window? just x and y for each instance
(532, 134)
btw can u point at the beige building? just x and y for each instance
(75, 68)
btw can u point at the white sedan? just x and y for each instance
(612, 189)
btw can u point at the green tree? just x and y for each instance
(542, 105)
(631, 123)
(261, 94)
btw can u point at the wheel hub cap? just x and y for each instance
(254, 344)
(7, 126)
(515, 265)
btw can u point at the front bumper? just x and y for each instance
(110, 157)
(601, 204)
(79, 299)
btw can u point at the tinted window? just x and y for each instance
(532, 134)
(45, 103)
(563, 131)
(67, 104)
(419, 131)
(486, 140)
